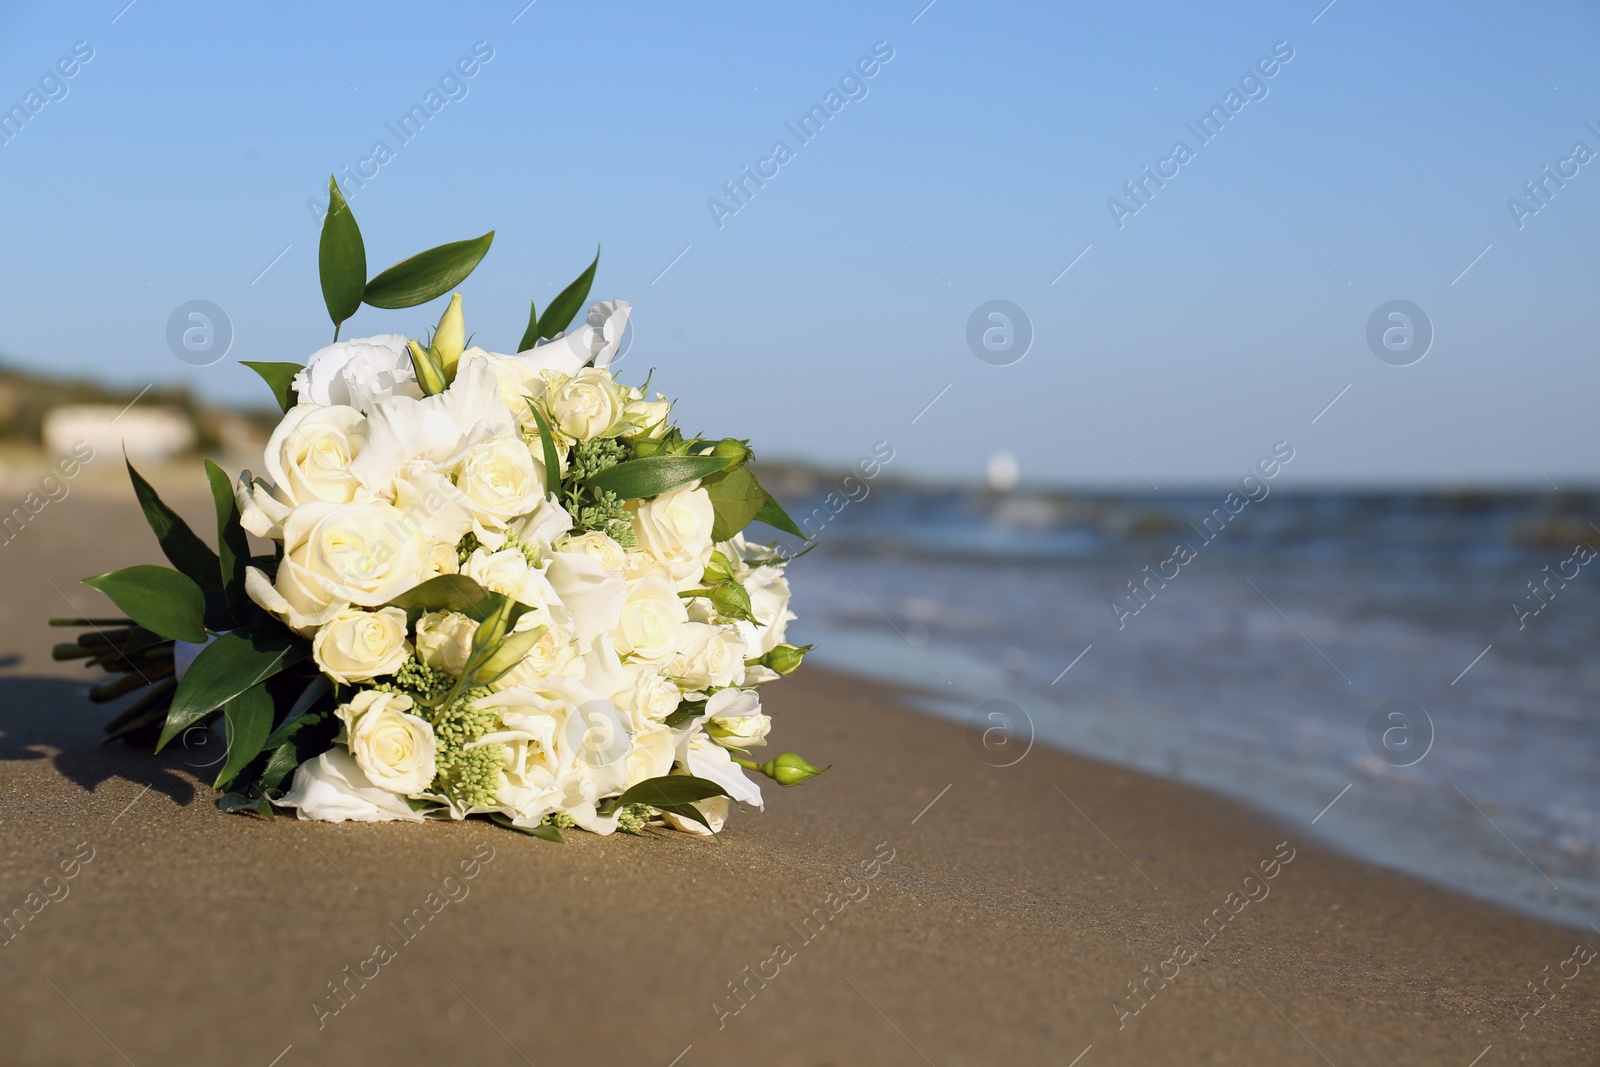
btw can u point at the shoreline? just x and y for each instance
(1054, 911)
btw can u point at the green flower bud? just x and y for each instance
(429, 375)
(450, 338)
(732, 448)
(788, 769)
(785, 659)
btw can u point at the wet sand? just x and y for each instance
(913, 906)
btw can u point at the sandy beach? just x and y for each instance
(913, 906)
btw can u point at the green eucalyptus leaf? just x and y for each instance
(157, 598)
(671, 789)
(227, 667)
(653, 475)
(249, 717)
(736, 499)
(427, 275)
(543, 833)
(552, 459)
(182, 548)
(773, 515)
(688, 709)
(559, 315)
(341, 259)
(446, 592)
(279, 378)
(530, 336)
(231, 540)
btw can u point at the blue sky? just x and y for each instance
(833, 306)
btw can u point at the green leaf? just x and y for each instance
(671, 789)
(249, 717)
(183, 549)
(231, 540)
(543, 833)
(653, 475)
(773, 515)
(427, 274)
(279, 378)
(227, 667)
(341, 259)
(558, 316)
(509, 653)
(157, 598)
(296, 741)
(552, 460)
(736, 499)
(445, 592)
(530, 336)
(688, 709)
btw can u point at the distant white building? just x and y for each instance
(149, 433)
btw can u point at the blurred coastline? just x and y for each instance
(1269, 661)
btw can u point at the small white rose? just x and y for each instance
(357, 646)
(675, 530)
(734, 719)
(710, 655)
(444, 640)
(554, 652)
(394, 748)
(335, 555)
(598, 547)
(308, 455)
(587, 404)
(653, 618)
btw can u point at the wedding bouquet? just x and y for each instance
(497, 584)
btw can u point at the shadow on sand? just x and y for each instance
(51, 719)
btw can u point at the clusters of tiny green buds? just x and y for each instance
(460, 721)
(631, 818)
(466, 547)
(472, 776)
(560, 820)
(419, 681)
(597, 509)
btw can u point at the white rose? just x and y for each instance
(709, 655)
(734, 719)
(646, 418)
(554, 652)
(444, 640)
(586, 405)
(394, 748)
(506, 571)
(769, 603)
(518, 383)
(335, 555)
(501, 480)
(653, 618)
(442, 558)
(647, 693)
(598, 547)
(675, 530)
(357, 646)
(358, 373)
(333, 788)
(308, 455)
(651, 755)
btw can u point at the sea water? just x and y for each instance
(1410, 677)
